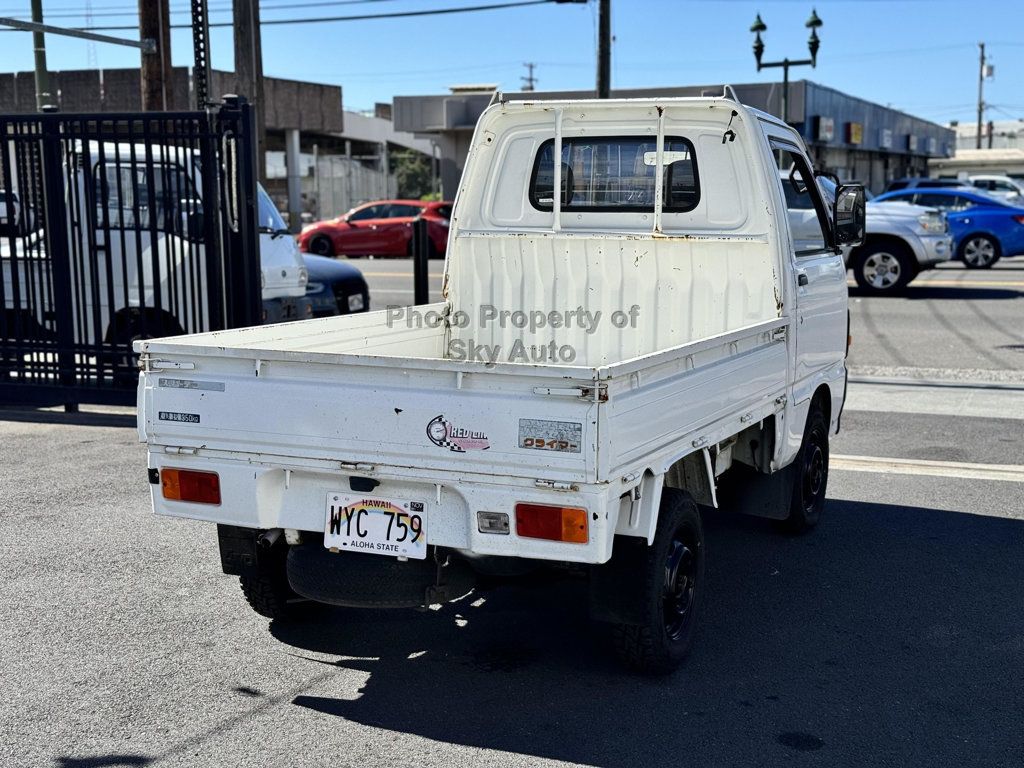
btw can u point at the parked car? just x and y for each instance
(984, 228)
(385, 461)
(902, 240)
(1003, 187)
(382, 228)
(922, 183)
(335, 287)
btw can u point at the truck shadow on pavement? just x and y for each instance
(891, 632)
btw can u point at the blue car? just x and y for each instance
(984, 228)
(335, 287)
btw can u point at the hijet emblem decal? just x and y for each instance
(444, 434)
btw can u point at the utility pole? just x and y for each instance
(604, 48)
(43, 96)
(155, 23)
(249, 71)
(981, 87)
(529, 81)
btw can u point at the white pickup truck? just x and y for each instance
(605, 359)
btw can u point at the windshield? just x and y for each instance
(270, 219)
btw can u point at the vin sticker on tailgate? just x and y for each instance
(544, 435)
(187, 418)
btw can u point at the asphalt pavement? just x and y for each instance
(892, 635)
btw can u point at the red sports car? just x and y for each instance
(382, 228)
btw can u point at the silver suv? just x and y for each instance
(902, 240)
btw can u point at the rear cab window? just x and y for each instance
(616, 174)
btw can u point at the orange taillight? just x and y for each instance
(190, 485)
(540, 521)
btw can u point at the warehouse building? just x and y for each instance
(855, 138)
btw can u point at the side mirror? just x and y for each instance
(848, 215)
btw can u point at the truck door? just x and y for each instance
(818, 271)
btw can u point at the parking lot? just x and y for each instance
(895, 630)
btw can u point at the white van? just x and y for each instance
(116, 244)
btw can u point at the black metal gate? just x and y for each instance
(117, 227)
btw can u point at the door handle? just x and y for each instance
(801, 278)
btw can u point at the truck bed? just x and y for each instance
(352, 391)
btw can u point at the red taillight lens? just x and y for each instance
(1019, 219)
(189, 485)
(539, 521)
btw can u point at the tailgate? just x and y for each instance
(518, 421)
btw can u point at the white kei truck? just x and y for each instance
(628, 331)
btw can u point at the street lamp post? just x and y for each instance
(813, 43)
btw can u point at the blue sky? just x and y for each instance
(917, 55)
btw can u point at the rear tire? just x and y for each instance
(883, 269)
(979, 251)
(321, 246)
(669, 589)
(810, 475)
(267, 590)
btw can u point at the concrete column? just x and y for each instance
(291, 160)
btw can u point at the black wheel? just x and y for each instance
(321, 246)
(979, 251)
(883, 268)
(810, 475)
(267, 590)
(670, 587)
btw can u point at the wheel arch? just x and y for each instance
(962, 241)
(823, 398)
(639, 505)
(878, 239)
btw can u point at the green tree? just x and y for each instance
(412, 171)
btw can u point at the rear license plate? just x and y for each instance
(357, 523)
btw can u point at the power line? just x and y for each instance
(115, 11)
(361, 17)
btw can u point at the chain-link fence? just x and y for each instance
(339, 183)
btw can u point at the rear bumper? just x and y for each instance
(265, 495)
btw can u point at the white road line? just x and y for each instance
(1013, 473)
(937, 401)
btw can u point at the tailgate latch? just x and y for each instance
(556, 485)
(598, 394)
(149, 364)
